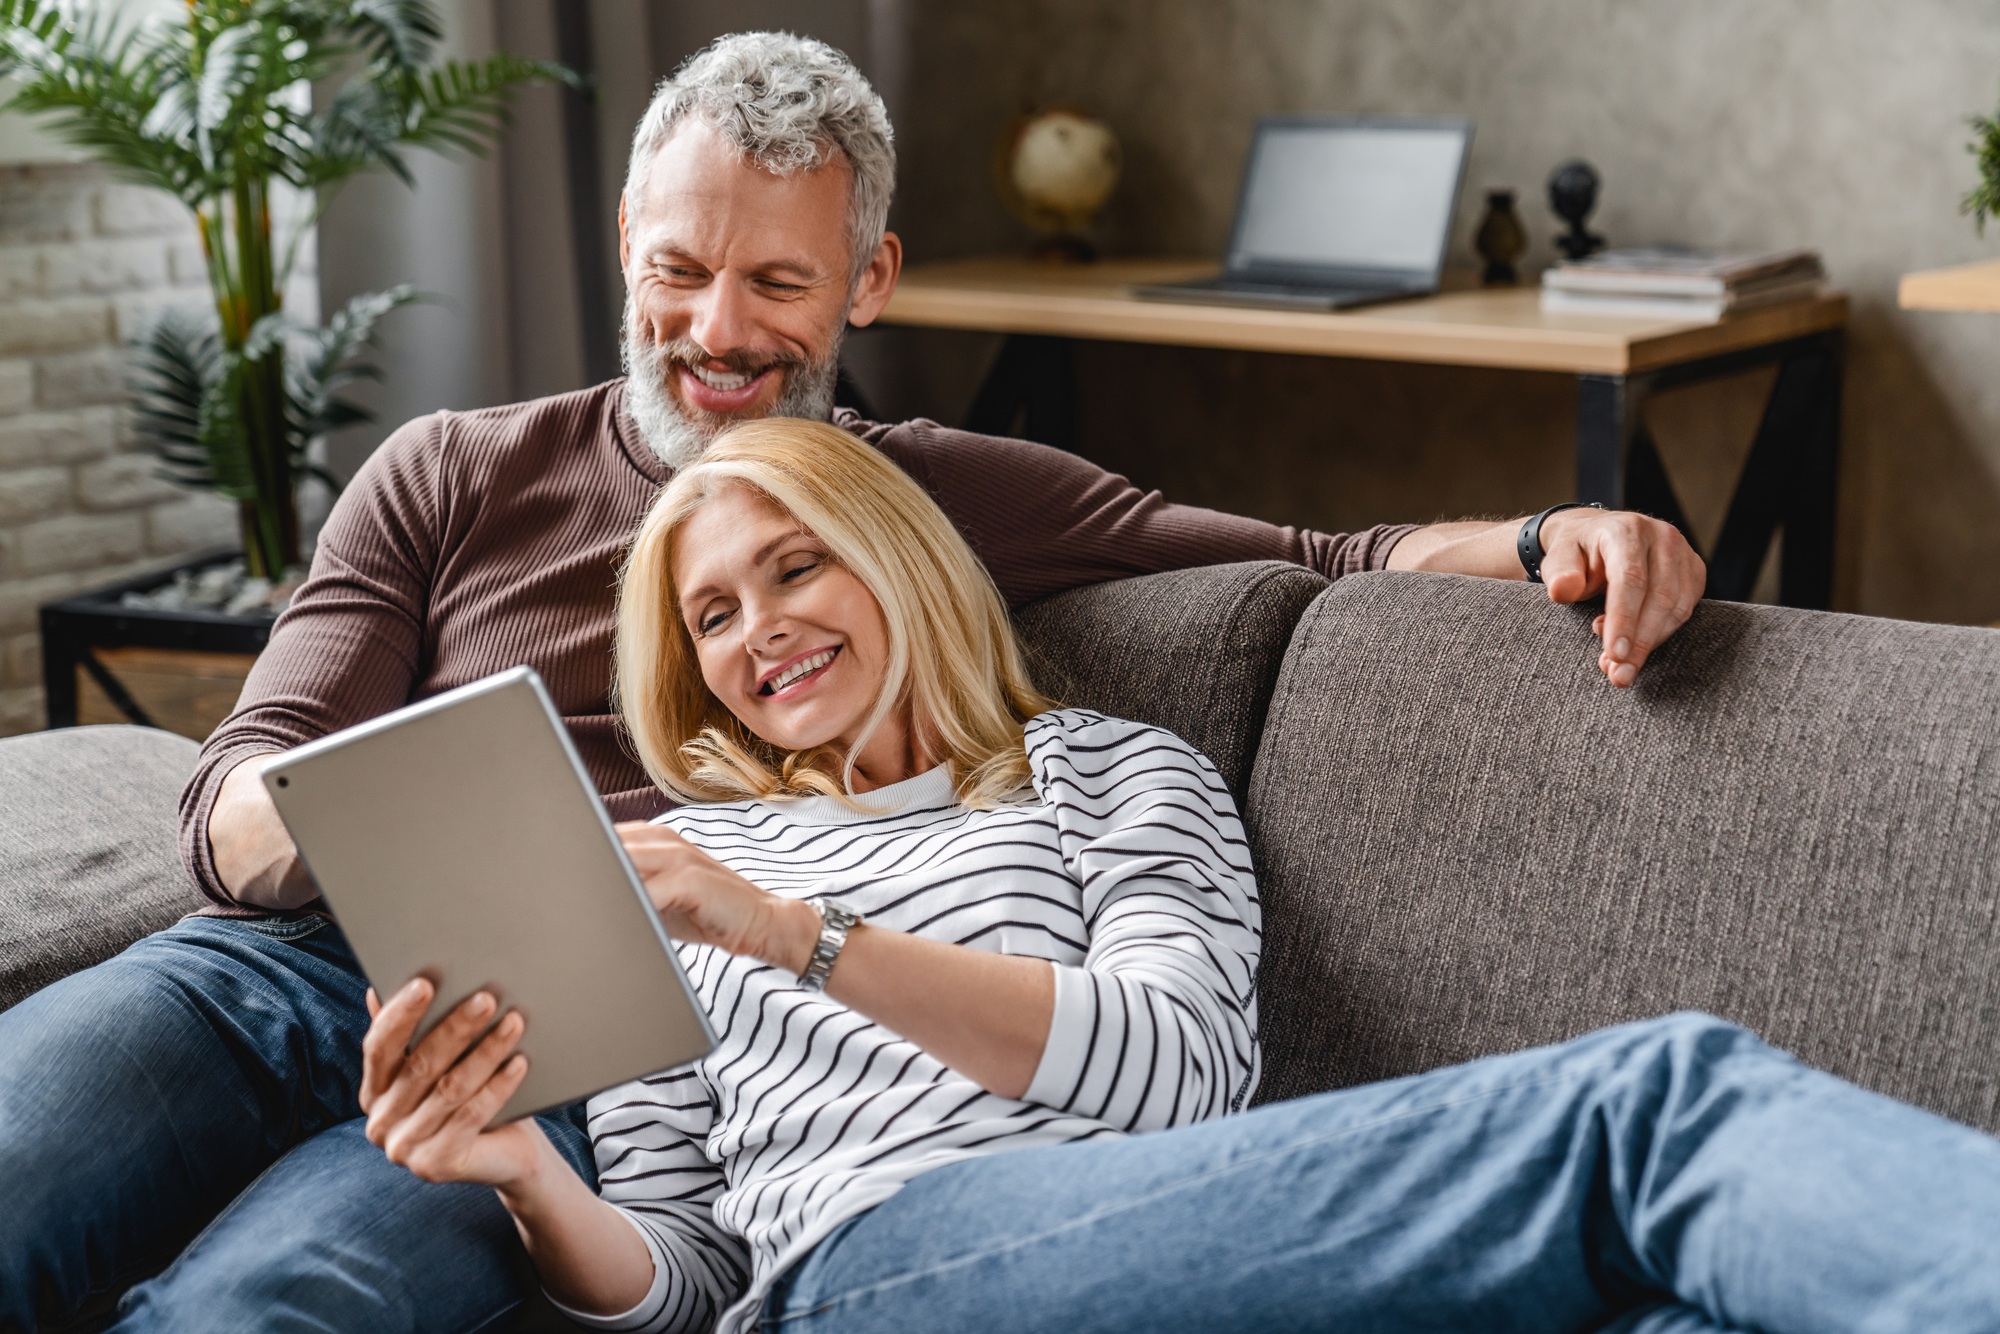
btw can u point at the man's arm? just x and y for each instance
(346, 650)
(1647, 574)
(1044, 520)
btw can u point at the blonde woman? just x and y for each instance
(984, 971)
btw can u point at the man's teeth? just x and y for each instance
(800, 668)
(723, 380)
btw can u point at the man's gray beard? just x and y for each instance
(680, 435)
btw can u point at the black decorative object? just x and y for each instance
(1501, 239)
(1573, 194)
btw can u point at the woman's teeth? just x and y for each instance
(723, 380)
(798, 669)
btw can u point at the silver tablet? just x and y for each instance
(461, 839)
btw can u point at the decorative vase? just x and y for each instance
(1501, 239)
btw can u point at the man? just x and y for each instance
(204, 1082)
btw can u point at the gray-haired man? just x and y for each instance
(193, 1102)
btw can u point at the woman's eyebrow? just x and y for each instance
(762, 554)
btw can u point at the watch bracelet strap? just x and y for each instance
(836, 920)
(1528, 543)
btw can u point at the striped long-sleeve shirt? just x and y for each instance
(1126, 869)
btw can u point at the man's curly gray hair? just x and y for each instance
(788, 103)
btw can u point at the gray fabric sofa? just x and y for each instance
(1467, 841)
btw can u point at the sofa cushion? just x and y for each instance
(1470, 843)
(87, 857)
(1193, 651)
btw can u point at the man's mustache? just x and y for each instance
(686, 353)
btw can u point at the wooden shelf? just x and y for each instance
(1498, 327)
(1966, 287)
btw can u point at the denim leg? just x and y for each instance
(137, 1097)
(1663, 1318)
(335, 1237)
(1677, 1165)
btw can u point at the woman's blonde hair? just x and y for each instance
(953, 659)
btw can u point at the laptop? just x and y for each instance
(462, 840)
(1338, 211)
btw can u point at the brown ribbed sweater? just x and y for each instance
(471, 542)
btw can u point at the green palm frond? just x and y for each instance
(184, 385)
(184, 381)
(334, 356)
(398, 34)
(175, 367)
(32, 21)
(97, 83)
(460, 103)
(1984, 199)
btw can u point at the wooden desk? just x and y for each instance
(1966, 287)
(1787, 482)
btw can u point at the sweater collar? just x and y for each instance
(636, 450)
(929, 790)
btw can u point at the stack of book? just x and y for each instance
(1679, 282)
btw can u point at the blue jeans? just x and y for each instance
(1673, 1175)
(191, 1104)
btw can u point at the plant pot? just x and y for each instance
(178, 670)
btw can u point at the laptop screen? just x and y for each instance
(1352, 195)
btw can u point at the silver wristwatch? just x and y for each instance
(836, 919)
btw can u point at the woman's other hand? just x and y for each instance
(429, 1106)
(705, 903)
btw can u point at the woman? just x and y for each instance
(965, 952)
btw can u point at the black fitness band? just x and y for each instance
(1528, 546)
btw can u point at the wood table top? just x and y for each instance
(1500, 327)
(1966, 287)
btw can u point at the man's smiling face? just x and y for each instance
(739, 288)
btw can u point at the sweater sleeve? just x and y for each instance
(1158, 1027)
(349, 646)
(1044, 520)
(651, 1165)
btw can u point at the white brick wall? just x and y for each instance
(84, 261)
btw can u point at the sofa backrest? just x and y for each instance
(1468, 842)
(87, 848)
(1193, 651)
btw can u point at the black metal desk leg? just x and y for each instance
(1027, 392)
(59, 655)
(1607, 419)
(1806, 563)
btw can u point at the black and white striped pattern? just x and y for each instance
(1128, 870)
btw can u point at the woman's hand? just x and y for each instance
(428, 1109)
(704, 902)
(986, 1015)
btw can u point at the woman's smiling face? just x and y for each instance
(789, 640)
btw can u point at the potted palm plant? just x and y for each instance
(225, 106)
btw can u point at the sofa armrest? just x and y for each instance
(87, 857)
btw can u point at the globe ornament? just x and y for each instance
(1054, 171)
